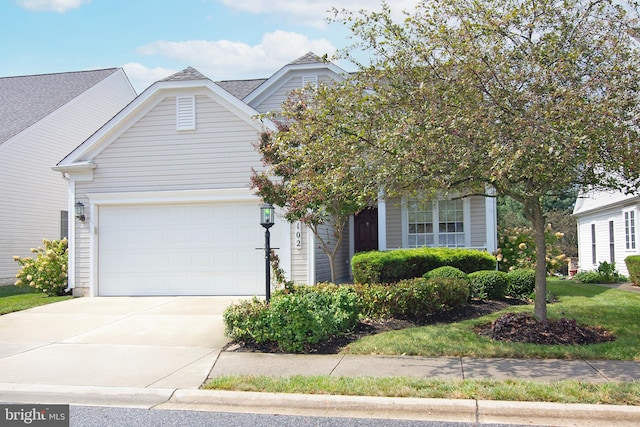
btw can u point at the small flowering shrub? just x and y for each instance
(47, 272)
(517, 249)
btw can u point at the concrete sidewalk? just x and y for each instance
(593, 371)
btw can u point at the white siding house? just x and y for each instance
(165, 185)
(607, 229)
(42, 118)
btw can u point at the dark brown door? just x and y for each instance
(366, 230)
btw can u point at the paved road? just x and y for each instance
(90, 416)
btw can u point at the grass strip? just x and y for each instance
(614, 310)
(14, 298)
(612, 393)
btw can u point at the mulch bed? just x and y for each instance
(522, 327)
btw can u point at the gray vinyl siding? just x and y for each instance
(293, 82)
(394, 224)
(478, 222)
(323, 269)
(32, 195)
(153, 156)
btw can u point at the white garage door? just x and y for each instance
(180, 249)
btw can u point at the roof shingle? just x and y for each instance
(28, 99)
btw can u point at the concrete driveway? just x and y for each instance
(159, 342)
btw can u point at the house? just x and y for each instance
(168, 208)
(607, 229)
(42, 118)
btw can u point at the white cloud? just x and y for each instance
(224, 59)
(313, 12)
(142, 77)
(59, 6)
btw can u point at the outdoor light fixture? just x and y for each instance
(267, 215)
(80, 211)
(267, 219)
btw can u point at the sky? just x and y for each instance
(152, 39)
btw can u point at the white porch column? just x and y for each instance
(382, 222)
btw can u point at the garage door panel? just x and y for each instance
(183, 249)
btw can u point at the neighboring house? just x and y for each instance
(607, 229)
(165, 186)
(42, 118)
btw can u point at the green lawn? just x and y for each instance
(614, 310)
(13, 298)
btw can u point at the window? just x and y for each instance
(438, 223)
(451, 223)
(612, 249)
(593, 244)
(630, 229)
(185, 112)
(64, 224)
(420, 224)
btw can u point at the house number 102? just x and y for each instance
(298, 233)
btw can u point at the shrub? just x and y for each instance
(393, 266)
(296, 317)
(522, 283)
(446, 272)
(412, 299)
(489, 284)
(606, 273)
(517, 249)
(633, 266)
(587, 277)
(47, 272)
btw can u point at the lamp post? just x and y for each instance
(267, 219)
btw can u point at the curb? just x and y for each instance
(453, 410)
(464, 410)
(325, 405)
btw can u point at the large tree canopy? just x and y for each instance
(311, 171)
(526, 97)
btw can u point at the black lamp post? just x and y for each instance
(267, 219)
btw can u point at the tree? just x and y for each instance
(315, 179)
(524, 97)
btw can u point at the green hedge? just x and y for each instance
(446, 272)
(393, 266)
(522, 282)
(489, 284)
(307, 315)
(412, 299)
(633, 266)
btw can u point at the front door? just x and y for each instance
(366, 230)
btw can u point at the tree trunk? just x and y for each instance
(533, 210)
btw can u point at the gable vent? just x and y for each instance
(185, 112)
(310, 81)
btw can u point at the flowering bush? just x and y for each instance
(516, 249)
(47, 272)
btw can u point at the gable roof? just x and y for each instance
(240, 88)
(28, 99)
(190, 79)
(307, 62)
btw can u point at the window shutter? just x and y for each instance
(185, 112)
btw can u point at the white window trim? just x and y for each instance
(466, 221)
(630, 245)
